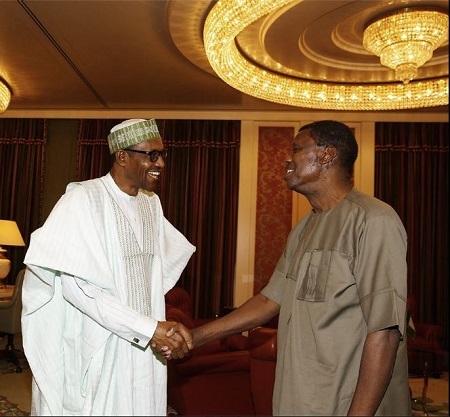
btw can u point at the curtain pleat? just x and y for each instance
(199, 193)
(412, 175)
(93, 159)
(22, 169)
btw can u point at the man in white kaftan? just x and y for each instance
(93, 294)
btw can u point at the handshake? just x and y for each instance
(172, 340)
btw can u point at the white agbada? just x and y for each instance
(92, 296)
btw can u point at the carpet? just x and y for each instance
(7, 367)
(431, 408)
(10, 409)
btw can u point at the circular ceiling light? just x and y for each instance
(229, 18)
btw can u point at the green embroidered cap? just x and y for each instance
(131, 132)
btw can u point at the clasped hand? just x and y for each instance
(171, 339)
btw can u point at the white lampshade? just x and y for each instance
(9, 236)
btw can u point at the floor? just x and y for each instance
(436, 398)
(17, 388)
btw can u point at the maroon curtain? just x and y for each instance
(412, 175)
(22, 157)
(199, 194)
(93, 159)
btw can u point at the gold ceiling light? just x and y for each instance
(406, 39)
(5, 96)
(230, 17)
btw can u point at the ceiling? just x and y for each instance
(114, 56)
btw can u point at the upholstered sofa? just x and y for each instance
(214, 379)
(226, 382)
(232, 376)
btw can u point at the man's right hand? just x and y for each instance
(173, 340)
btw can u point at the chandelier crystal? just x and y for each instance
(406, 39)
(5, 96)
(230, 17)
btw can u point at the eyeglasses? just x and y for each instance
(154, 155)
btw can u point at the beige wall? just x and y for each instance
(61, 154)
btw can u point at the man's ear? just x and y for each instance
(327, 155)
(121, 157)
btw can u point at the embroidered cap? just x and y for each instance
(131, 132)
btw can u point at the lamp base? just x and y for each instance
(5, 267)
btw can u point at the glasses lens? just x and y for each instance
(156, 154)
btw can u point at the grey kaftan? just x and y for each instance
(342, 275)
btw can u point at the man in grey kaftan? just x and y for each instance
(339, 288)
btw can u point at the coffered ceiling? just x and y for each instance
(112, 56)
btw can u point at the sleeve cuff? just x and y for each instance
(143, 331)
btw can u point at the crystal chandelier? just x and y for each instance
(229, 17)
(5, 96)
(406, 39)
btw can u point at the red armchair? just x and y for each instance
(179, 309)
(215, 378)
(426, 343)
(180, 298)
(211, 384)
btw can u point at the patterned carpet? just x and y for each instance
(10, 409)
(7, 407)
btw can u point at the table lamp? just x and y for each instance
(9, 236)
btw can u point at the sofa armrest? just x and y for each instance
(235, 342)
(429, 331)
(214, 363)
(263, 344)
(427, 337)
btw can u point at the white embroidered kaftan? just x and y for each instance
(92, 296)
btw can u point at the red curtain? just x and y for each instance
(93, 159)
(199, 193)
(22, 156)
(412, 175)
